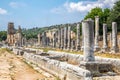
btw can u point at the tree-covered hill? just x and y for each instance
(32, 33)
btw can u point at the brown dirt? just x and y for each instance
(107, 78)
(13, 68)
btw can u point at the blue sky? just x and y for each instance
(40, 13)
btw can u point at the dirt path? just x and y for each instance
(13, 68)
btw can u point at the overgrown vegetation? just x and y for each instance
(3, 35)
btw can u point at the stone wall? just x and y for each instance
(66, 65)
(77, 58)
(58, 68)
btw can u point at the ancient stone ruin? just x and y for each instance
(68, 66)
(15, 38)
(64, 39)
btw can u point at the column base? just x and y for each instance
(114, 50)
(65, 47)
(82, 48)
(93, 67)
(105, 49)
(96, 48)
(96, 68)
(61, 48)
(78, 48)
(68, 48)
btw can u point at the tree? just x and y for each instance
(114, 15)
(3, 35)
(102, 13)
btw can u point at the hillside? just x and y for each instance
(32, 33)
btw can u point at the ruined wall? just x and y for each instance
(64, 65)
(76, 58)
(58, 68)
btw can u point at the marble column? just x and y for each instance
(96, 47)
(69, 37)
(110, 37)
(82, 44)
(47, 41)
(65, 38)
(89, 62)
(105, 42)
(44, 39)
(59, 38)
(42, 42)
(88, 27)
(114, 38)
(23, 41)
(62, 38)
(39, 39)
(54, 40)
(78, 38)
(72, 45)
(119, 42)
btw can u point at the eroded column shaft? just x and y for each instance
(88, 28)
(105, 43)
(78, 37)
(69, 37)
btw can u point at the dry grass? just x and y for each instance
(107, 55)
(60, 50)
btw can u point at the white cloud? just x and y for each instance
(3, 11)
(16, 4)
(83, 6)
(58, 10)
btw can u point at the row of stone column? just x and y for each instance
(114, 41)
(62, 38)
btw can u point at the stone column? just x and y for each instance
(23, 41)
(119, 42)
(88, 27)
(59, 38)
(110, 36)
(65, 38)
(44, 39)
(38, 39)
(47, 41)
(69, 37)
(114, 38)
(62, 38)
(78, 38)
(105, 43)
(82, 44)
(54, 40)
(89, 62)
(96, 47)
(72, 45)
